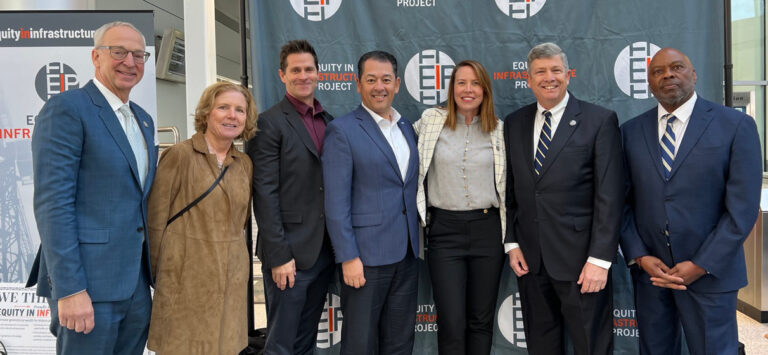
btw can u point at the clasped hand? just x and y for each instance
(677, 278)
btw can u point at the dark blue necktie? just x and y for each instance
(667, 145)
(545, 138)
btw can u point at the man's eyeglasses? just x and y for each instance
(119, 53)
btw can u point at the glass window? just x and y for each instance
(748, 48)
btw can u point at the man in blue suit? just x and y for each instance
(370, 168)
(94, 159)
(693, 179)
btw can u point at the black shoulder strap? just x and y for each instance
(200, 198)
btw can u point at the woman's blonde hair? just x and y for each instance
(207, 99)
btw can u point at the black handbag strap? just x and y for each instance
(200, 198)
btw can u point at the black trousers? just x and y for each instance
(548, 305)
(465, 257)
(380, 317)
(293, 314)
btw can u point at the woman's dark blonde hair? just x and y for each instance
(205, 106)
(488, 120)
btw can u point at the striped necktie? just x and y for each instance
(136, 139)
(545, 138)
(667, 145)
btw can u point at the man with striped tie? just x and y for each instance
(693, 178)
(564, 200)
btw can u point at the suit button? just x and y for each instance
(322, 215)
(140, 229)
(321, 188)
(404, 212)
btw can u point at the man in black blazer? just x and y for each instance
(564, 201)
(293, 244)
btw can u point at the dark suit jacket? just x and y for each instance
(90, 208)
(573, 209)
(371, 209)
(711, 199)
(287, 188)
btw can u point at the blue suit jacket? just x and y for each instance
(370, 210)
(89, 205)
(710, 200)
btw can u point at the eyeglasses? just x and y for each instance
(119, 53)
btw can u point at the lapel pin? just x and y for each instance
(147, 126)
(572, 123)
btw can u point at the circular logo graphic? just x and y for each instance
(631, 69)
(520, 9)
(316, 10)
(427, 75)
(329, 328)
(55, 78)
(510, 319)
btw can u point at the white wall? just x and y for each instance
(171, 101)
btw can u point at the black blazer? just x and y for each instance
(573, 209)
(287, 188)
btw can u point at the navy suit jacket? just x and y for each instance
(370, 209)
(89, 204)
(711, 199)
(573, 209)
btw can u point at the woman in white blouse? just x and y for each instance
(461, 195)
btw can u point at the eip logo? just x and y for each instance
(510, 321)
(520, 9)
(316, 10)
(55, 78)
(427, 75)
(631, 69)
(329, 328)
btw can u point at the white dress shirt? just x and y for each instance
(115, 104)
(395, 138)
(682, 115)
(557, 114)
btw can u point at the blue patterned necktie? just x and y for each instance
(545, 138)
(136, 139)
(667, 145)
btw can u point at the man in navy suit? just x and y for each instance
(693, 179)
(370, 168)
(94, 159)
(564, 200)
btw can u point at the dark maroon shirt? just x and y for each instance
(313, 122)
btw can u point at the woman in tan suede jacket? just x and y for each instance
(200, 261)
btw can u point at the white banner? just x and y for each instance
(41, 55)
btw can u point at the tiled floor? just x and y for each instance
(753, 335)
